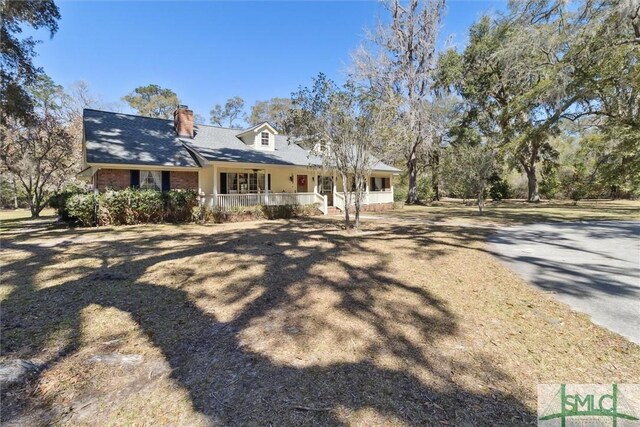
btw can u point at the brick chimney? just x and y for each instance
(183, 121)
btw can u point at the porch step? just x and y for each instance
(332, 210)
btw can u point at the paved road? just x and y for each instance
(594, 267)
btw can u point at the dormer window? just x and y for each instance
(260, 137)
(321, 147)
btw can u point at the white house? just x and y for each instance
(228, 167)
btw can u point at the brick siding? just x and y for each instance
(184, 180)
(116, 179)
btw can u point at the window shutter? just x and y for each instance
(223, 183)
(166, 180)
(135, 178)
(269, 181)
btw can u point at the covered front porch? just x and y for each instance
(232, 187)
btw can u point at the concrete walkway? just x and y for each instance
(594, 267)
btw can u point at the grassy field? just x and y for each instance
(291, 323)
(518, 211)
(14, 215)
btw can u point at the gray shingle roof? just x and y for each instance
(222, 144)
(126, 139)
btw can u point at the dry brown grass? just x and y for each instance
(286, 323)
(518, 211)
(22, 214)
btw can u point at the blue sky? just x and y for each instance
(208, 51)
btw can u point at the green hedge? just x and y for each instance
(59, 200)
(124, 207)
(81, 207)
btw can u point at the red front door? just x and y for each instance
(302, 184)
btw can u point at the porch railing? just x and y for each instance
(370, 198)
(232, 201)
(321, 202)
(378, 197)
(338, 201)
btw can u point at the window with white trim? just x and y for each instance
(151, 180)
(379, 184)
(246, 183)
(264, 138)
(326, 184)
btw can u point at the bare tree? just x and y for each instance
(344, 126)
(275, 111)
(77, 97)
(44, 153)
(467, 169)
(38, 156)
(230, 113)
(398, 62)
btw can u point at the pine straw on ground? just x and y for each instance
(286, 323)
(507, 212)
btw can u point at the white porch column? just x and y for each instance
(366, 190)
(316, 182)
(214, 202)
(202, 197)
(334, 184)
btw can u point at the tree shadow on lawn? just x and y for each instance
(522, 212)
(576, 274)
(231, 382)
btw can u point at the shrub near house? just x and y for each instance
(125, 207)
(134, 206)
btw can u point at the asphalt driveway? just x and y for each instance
(594, 267)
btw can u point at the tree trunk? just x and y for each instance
(412, 168)
(360, 189)
(532, 181)
(35, 212)
(36, 205)
(15, 192)
(347, 200)
(347, 221)
(435, 175)
(481, 201)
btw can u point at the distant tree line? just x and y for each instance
(155, 101)
(543, 101)
(40, 123)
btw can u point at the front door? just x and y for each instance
(325, 187)
(302, 184)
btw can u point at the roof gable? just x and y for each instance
(258, 128)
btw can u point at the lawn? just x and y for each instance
(288, 323)
(518, 211)
(10, 218)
